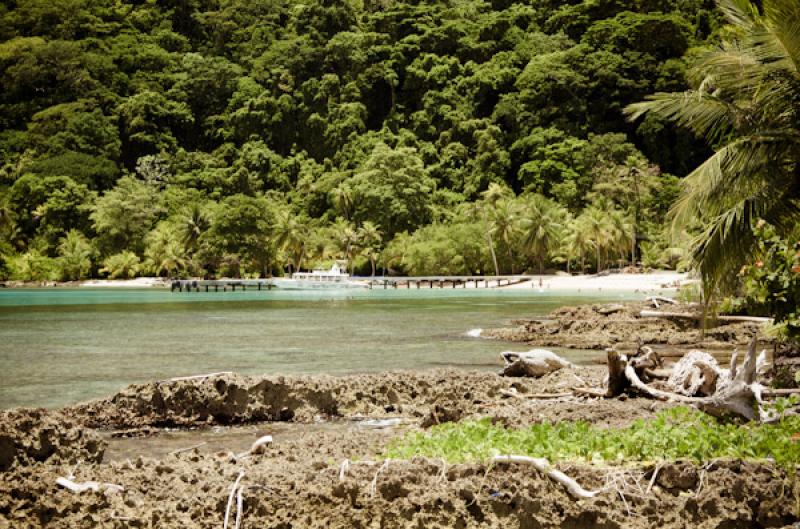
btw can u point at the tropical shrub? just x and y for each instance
(75, 256)
(123, 265)
(772, 279)
(33, 266)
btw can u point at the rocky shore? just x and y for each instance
(620, 324)
(303, 481)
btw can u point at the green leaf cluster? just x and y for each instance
(678, 433)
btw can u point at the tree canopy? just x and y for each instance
(257, 136)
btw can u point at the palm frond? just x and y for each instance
(704, 114)
(740, 13)
(728, 239)
(779, 42)
(741, 168)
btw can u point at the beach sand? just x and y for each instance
(648, 282)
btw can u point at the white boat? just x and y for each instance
(319, 278)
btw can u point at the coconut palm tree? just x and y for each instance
(541, 222)
(124, 265)
(599, 230)
(504, 224)
(291, 233)
(745, 102)
(347, 238)
(193, 222)
(493, 194)
(342, 199)
(370, 240)
(75, 255)
(318, 247)
(396, 250)
(165, 253)
(623, 234)
(577, 243)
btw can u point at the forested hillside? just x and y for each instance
(253, 137)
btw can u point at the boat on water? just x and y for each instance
(320, 278)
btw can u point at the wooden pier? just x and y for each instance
(445, 281)
(216, 285)
(225, 285)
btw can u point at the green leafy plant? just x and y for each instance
(772, 280)
(678, 433)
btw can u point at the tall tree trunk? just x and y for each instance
(494, 257)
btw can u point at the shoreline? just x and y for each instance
(559, 282)
(617, 282)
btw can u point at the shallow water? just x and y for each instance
(60, 346)
(236, 439)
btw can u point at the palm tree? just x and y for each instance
(599, 230)
(123, 265)
(291, 233)
(745, 101)
(342, 198)
(75, 255)
(370, 238)
(396, 250)
(193, 223)
(347, 239)
(577, 242)
(491, 197)
(504, 223)
(318, 247)
(541, 223)
(165, 253)
(623, 234)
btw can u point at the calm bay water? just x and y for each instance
(59, 346)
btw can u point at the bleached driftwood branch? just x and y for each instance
(231, 496)
(698, 317)
(258, 446)
(739, 394)
(655, 299)
(87, 485)
(533, 396)
(182, 450)
(543, 466)
(197, 377)
(533, 363)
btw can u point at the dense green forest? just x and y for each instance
(256, 137)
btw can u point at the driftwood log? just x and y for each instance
(731, 392)
(544, 467)
(699, 317)
(533, 363)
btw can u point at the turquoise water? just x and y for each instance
(59, 346)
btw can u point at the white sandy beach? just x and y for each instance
(139, 282)
(649, 282)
